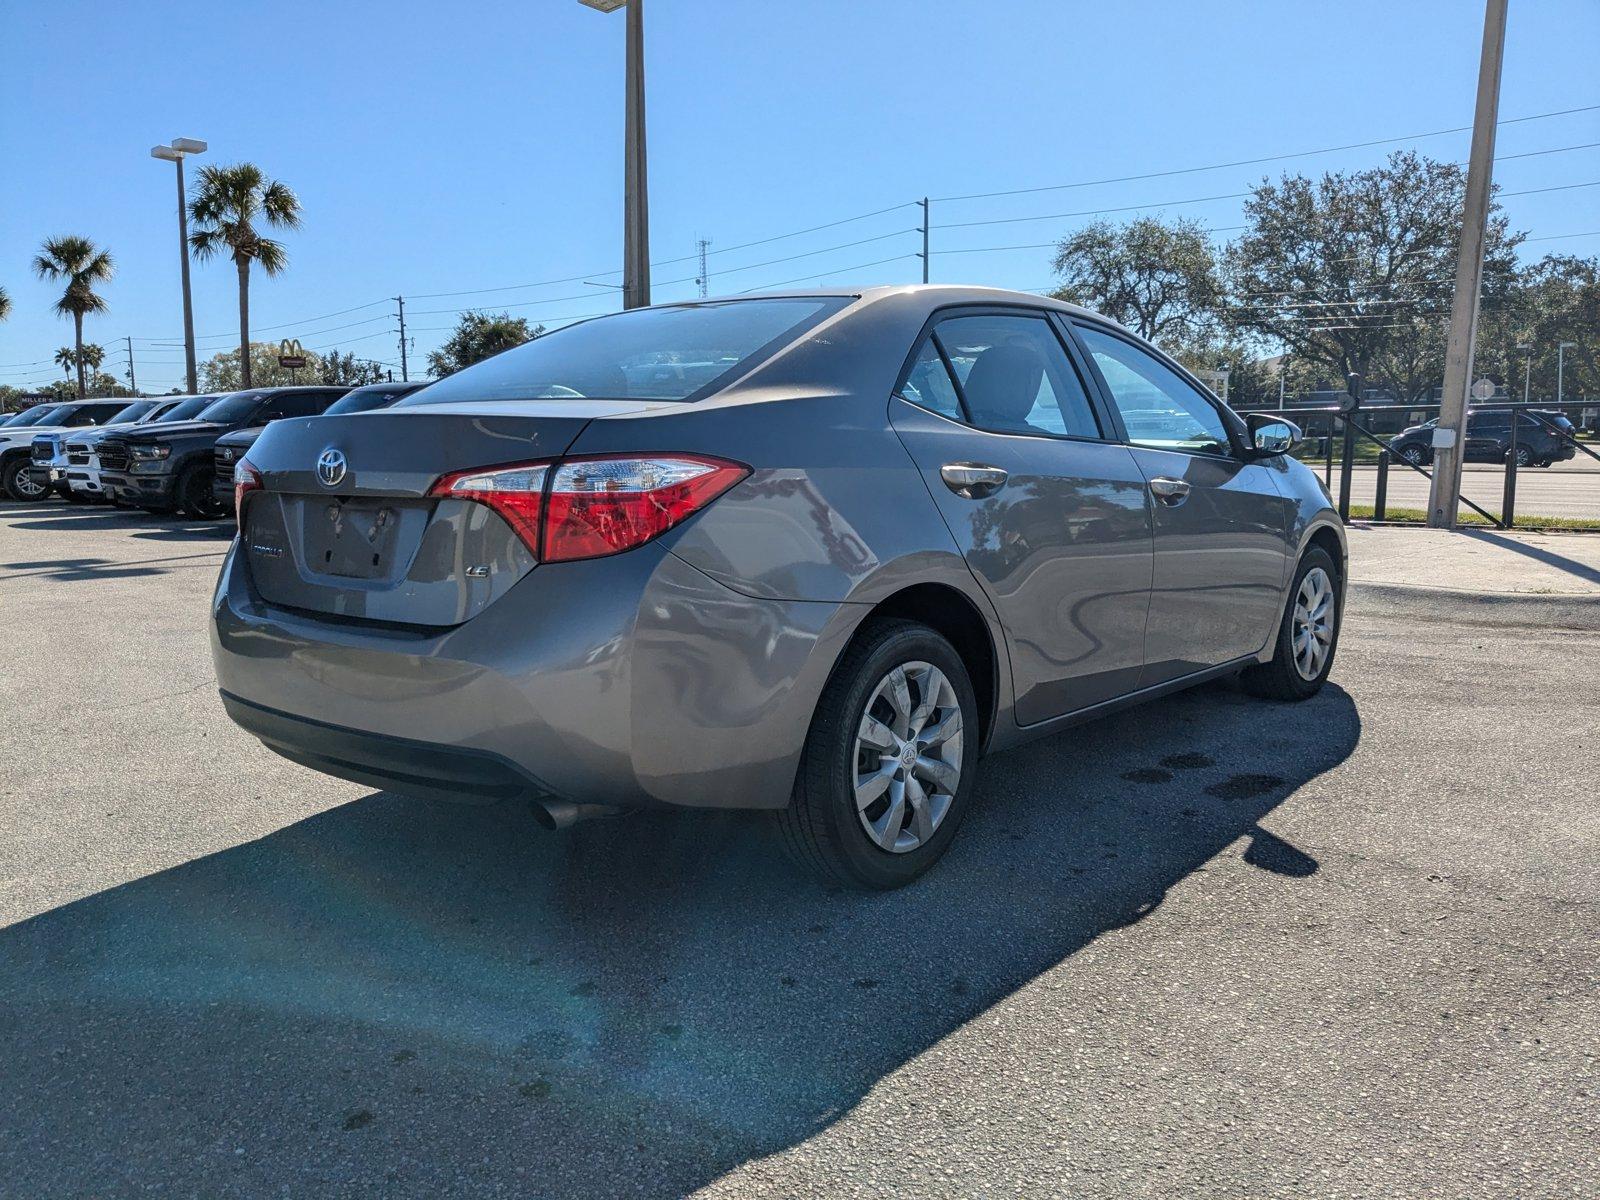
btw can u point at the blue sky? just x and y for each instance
(445, 147)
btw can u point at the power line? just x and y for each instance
(1251, 162)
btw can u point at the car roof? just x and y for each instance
(935, 295)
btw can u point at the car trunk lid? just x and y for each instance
(344, 525)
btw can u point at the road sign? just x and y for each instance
(291, 355)
(1483, 389)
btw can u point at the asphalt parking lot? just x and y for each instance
(1214, 946)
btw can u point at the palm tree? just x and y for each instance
(224, 211)
(66, 359)
(82, 264)
(5, 304)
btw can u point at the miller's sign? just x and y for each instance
(291, 355)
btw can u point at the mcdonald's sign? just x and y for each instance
(291, 355)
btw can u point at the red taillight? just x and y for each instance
(516, 493)
(590, 507)
(246, 479)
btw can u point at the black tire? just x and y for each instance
(18, 485)
(1280, 679)
(193, 494)
(1524, 456)
(1416, 456)
(821, 829)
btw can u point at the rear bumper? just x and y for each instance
(635, 680)
(382, 760)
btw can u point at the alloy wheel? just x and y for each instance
(1313, 623)
(25, 484)
(908, 756)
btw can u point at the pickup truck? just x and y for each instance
(167, 468)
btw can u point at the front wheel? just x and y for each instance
(20, 484)
(887, 769)
(1308, 634)
(1415, 455)
(1524, 456)
(194, 495)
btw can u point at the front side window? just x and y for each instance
(674, 352)
(1159, 407)
(1015, 377)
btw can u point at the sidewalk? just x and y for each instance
(1478, 562)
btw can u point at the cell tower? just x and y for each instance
(704, 278)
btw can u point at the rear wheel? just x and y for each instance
(1524, 456)
(1415, 455)
(194, 494)
(19, 482)
(1308, 634)
(887, 769)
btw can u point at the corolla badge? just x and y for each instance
(331, 467)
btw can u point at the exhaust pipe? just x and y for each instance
(556, 814)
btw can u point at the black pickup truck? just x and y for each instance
(164, 468)
(231, 447)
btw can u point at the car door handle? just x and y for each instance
(973, 480)
(1171, 492)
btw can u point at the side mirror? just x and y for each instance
(1270, 435)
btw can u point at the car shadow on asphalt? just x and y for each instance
(403, 998)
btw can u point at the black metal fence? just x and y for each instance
(1339, 442)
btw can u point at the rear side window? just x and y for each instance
(674, 352)
(930, 385)
(299, 404)
(1015, 377)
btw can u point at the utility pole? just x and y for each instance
(133, 384)
(1445, 489)
(401, 301)
(924, 256)
(636, 199)
(704, 278)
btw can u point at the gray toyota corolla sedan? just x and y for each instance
(812, 553)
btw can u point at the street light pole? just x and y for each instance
(1445, 489)
(1561, 357)
(636, 190)
(1527, 370)
(180, 149)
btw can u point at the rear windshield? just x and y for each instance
(235, 406)
(678, 352)
(364, 399)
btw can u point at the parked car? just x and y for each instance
(231, 447)
(17, 475)
(169, 467)
(80, 457)
(899, 528)
(49, 451)
(1488, 439)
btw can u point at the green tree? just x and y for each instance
(227, 205)
(348, 370)
(1340, 269)
(1159, 278)
(221, 373)
(1555, 300)
(82, 265)
(477, 336)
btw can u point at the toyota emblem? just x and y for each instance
(330, 467)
